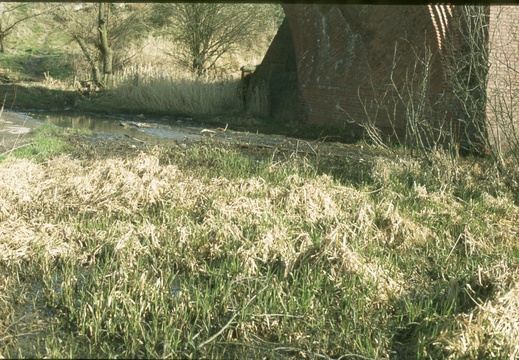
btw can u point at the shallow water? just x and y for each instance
(158, 131)
(161, 131)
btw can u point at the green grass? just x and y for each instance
(47, 141)
(225, 251)
(14, 67)
(36, 96)
(31, 64)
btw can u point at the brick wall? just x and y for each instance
(341, 59)
(346, 57)
(503, 82)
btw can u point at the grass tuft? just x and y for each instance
(47, 141)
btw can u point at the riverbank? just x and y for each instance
(215, 103)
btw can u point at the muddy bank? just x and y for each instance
(15, 129)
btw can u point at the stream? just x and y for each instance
(162, 131)
(154, 132)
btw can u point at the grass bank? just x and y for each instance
(46, 141)
(221, 251)
(135, 93)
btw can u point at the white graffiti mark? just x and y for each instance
(440, 15)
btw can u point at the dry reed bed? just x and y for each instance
(48, 208)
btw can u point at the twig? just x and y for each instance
(224, 327)
(3, 104)
(17, 335)
(307, 143)
(229, 322)
(138, 140)
(211, 132)
(372, 191)
(223, 129)
(294, 154)
(16, 148)
(454, 247)
(355, 356)
(279, 315)
(290, 348)
(321, 355)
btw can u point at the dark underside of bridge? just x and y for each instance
(328, 65)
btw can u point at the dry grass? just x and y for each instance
(151, 82)
(490, 331)
(265, 254)
(147, 79)
(182, 94)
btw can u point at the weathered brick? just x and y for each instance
(330, 64)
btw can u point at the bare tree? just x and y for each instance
(104, 45)
(466, 65)
(481, 87)
(481, 69)
(207, 31)
(406, 104)
(79, 22)
(492, 37)
(14, 14)
(101, 31)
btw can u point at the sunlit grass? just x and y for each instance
(213, 251)
(217, 251)
(47, 141)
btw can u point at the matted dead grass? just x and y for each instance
(146, 203)
(264, 222)
(490, 331)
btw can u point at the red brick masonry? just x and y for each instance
(332, 66)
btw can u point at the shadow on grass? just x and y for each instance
(349, 164)
(25, 96)
(428, 316)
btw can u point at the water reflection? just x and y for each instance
(152, 132)
(165, 131)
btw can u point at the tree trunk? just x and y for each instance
(90, 59)
(104, 46)
(198, 66)
(2, 32)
